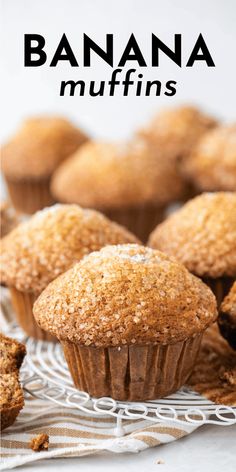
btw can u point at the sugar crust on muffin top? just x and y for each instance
(39, 146)
(110, 175)
(125, 294)
(176, 130)
(202, 235)
(212, 164)
(46, 245)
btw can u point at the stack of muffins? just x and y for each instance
(130, 317)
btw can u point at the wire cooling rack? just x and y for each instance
(45, 375)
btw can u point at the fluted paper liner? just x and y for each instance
(140, 220)
(30, 196)
(133, 373)
(220, 287)
(23, 306)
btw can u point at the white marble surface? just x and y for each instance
(209, 449)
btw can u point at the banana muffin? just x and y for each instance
(227, 317)
(212, 164)
(176, 131)
(11, 394)
(32, 155)
(202, 235)
(130, 320)
(127, 182)
(46, 245)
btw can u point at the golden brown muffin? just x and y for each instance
(32, 155)
(212, 164)
(12, 354)
(202, 235)
(8, 218)
(127, 182)
(46, 245)
(11, 395)
(176, 131)
(130, 320)
(227, 317)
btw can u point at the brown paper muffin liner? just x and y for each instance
(140, 220)
(30, 196)
(133, 373)
(220, 287)
(23, 306)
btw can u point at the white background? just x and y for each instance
(32, 91)
(36, 90)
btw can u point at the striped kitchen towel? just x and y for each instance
(73, 434)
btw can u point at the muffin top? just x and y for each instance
(212, 164)
(229, 303)
(109, 175)
(175, 131)
(46, 245)
(125, 294)
(202, 235)
(39, 146)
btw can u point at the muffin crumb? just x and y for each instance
(229, 376)
(159, 461)
(40, 442)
